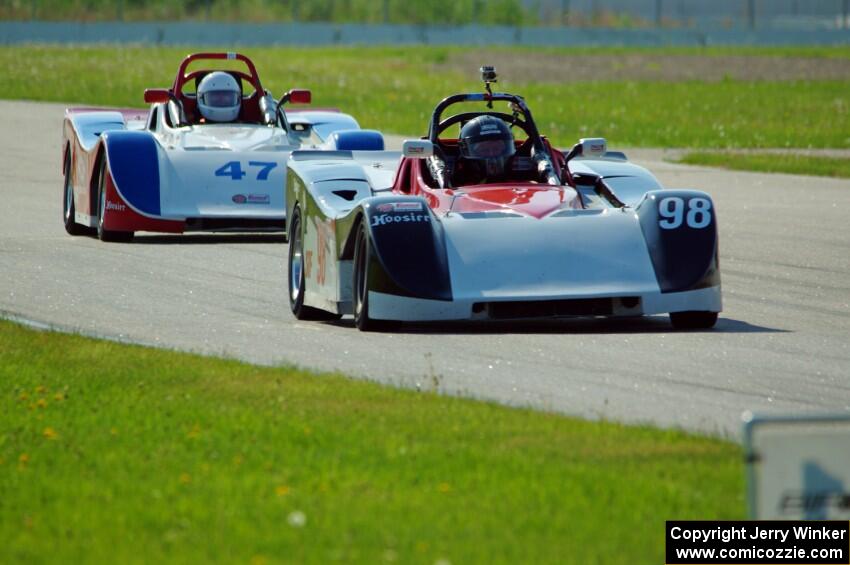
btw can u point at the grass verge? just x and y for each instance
(124, 454)
(772, 163)
(394, 89)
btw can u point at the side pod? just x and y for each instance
(680, 229)
(409, 248)
(134, 165)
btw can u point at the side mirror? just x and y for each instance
(419, 148)
(593, 146)
(156, 95)
(588, 147)
(299, 96)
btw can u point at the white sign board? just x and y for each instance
(798, 468)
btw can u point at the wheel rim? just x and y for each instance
(102, 207)
(296, 263)
(69, 193)
(360, 277)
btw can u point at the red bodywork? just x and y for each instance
(525, 197)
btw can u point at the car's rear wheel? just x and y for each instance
(297, 276)
(693, 320)
(68, 211)
(360, 285)
(102, 233)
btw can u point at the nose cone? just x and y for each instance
(531, 200)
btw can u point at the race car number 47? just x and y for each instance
(233, 169)
(673, 213)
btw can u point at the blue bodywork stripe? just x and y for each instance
(135, 168)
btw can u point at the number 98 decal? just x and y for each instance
(672, 210)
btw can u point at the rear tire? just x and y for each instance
(104, 234)
(693, 320)
(360, 285)
(296, 279)
(68, 208)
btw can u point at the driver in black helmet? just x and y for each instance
(486, 144)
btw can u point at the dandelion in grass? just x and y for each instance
(40, 389)
(296, 519)
(23, 459)
(50, 433)
(281, 490)
(42, 403)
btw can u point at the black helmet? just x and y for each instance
(487, 141)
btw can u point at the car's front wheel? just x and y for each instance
(360, 285)
(693, 320)
(68, 211)
(102, 233)
(297, 276)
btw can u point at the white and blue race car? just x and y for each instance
(169, 170)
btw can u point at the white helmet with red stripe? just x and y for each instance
(219, 97)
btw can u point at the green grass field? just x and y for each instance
(772, 163)
(394, 89)
(123, 454)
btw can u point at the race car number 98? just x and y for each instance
(672, 210)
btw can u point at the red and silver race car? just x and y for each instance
(169, 169)
(582, 233)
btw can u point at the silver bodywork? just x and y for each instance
(597, 252)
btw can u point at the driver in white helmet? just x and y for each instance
(219, 97)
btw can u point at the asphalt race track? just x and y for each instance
(782, 344)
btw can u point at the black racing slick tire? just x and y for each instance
(297, 277)
(68, 208)
(104, 234)
(693, 320)
(360, 285)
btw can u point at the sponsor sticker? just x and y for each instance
(251, 199)
(399, 207)
(259, 199)
(118, 207)
(407, 217)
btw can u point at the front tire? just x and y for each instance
(296, 278)
(360, 285)
(693, 320)
(104, 234)
(68, 209)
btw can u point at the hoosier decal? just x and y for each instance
(384, 219)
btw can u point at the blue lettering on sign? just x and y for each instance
(233, 169)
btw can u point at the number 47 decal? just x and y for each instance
(233, 169)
